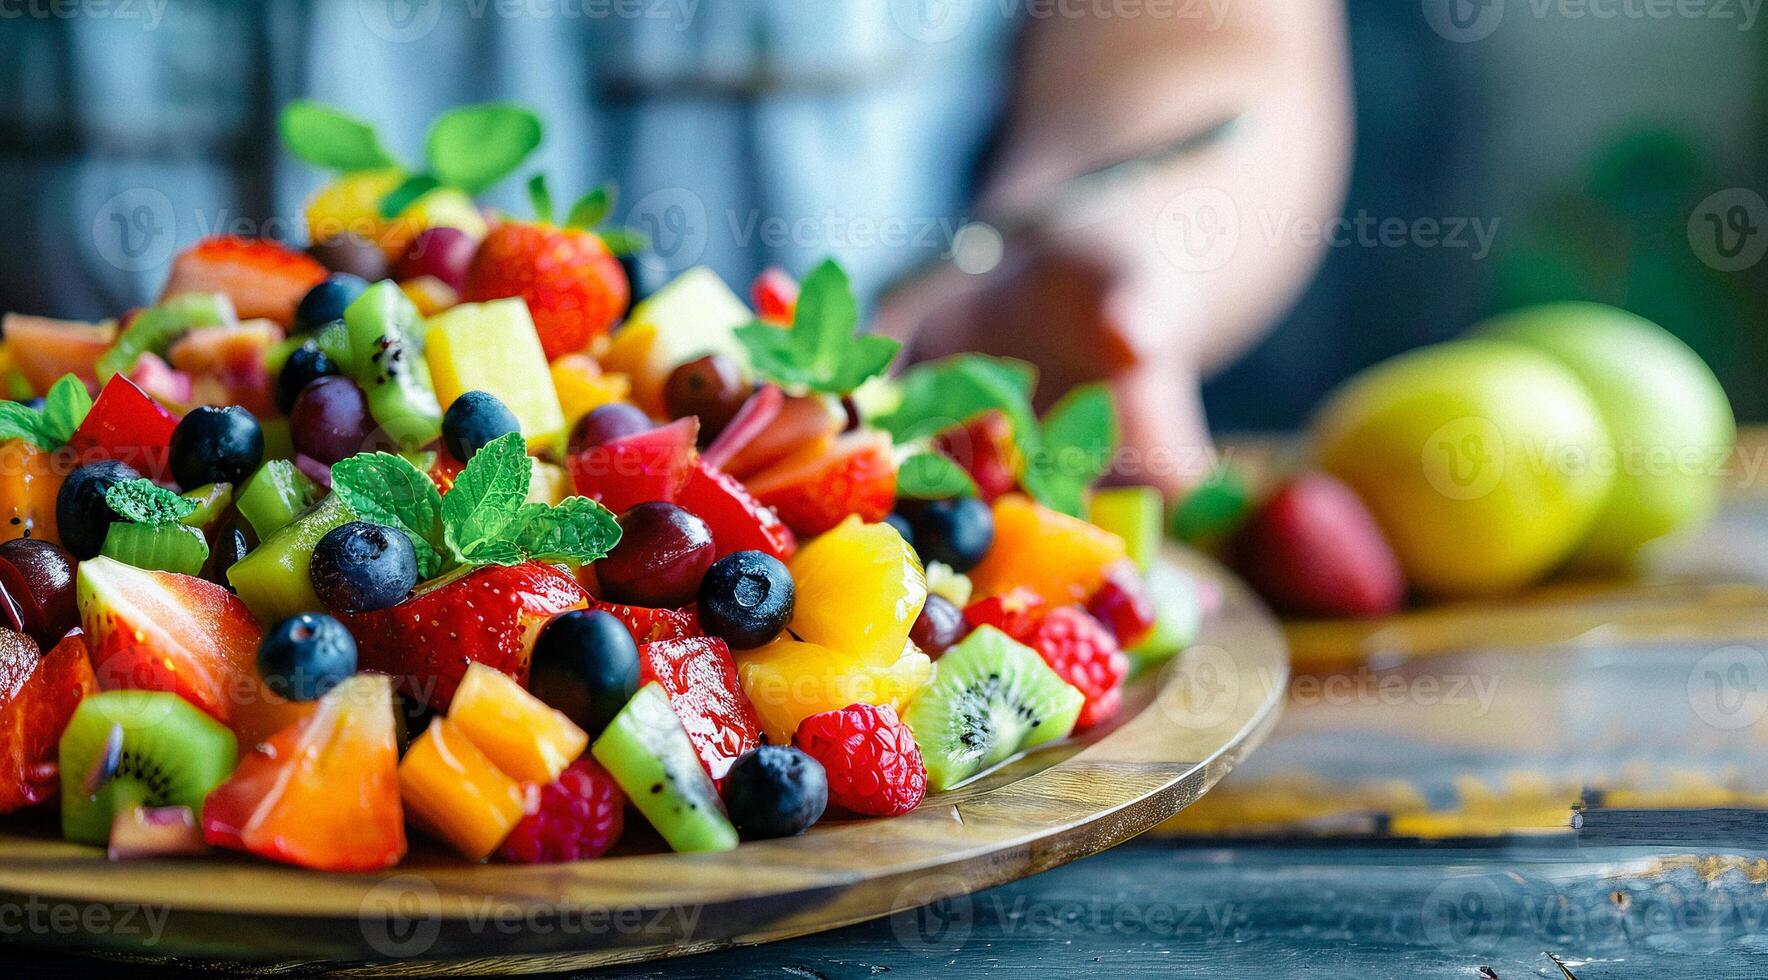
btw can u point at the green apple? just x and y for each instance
(1672, 425)
(1475, 456)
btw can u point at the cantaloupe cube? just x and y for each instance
(454, 791)
(521, 734)
(492, 347)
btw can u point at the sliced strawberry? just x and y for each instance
(44, 349)
(263, 278)
(649, 625)
(738, 521)
(489, 615)
(128, 426)
(700, 677)
(161, 631)
(984, 447)
(226, 364)
(38, 695)
(639, 468)
(322, 793)
(1014, 612)
(754, 417)
(816, 489)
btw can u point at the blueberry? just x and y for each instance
(81, 514)
(775, 791)
(305, 365)
(939, 627)
(585, 664)
(746, 599)
(326, 301)
(361, 567)
(216, 445)
(306, 655)
(955, 532)
(902, 526)
(475, 418)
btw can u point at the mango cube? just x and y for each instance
(455, 792)
(520, 734)
(493, 347)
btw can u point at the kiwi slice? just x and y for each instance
(648, 753)
(990, 698)
(124, 749)
(272, 580)
(272, 497)
(157, 547)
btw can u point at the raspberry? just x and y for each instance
(1124, 605)
(580, 815)
(1014, 613)
(1083, 652)
(873, 764)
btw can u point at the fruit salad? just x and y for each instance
(426, 532)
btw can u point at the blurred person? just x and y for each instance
(743, 134)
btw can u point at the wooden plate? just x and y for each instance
(1184, 726)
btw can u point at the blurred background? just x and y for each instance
(1610, 151)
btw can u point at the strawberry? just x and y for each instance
(579, 816)
(263, 278)
(489, 615)
(775, 295)
(984, 447)
(815, 489)
(1312, 549)
(650, 625)
(638, 468)
(1124, 604)
(738, 521)
(873, 765)
(700, 677)
(571, 279)
(38, 695)
(1013, 613)
(1084, 653)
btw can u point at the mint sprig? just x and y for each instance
(1062, 454)
(64, 408)
(144, 502)
(327, 137)
(823, 349)
(485, 518)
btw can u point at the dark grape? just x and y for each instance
(442, 252)
(39, 575)
(352, 254)
(663, 554)
(615, 420)
(330, 420)
(939, 627)
(711, 387)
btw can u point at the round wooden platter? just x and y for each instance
(1184, 726)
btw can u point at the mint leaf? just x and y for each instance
(326, 137)
(389, 490)
(540, 199)
(821, 350)
(928, 475)
(18, 421)
(941, 394)
(591, 209)
(408, 191)
(576, 529)
(1081, 430)
(474, 147)
(485, 498)
(142, 502)
(623, 241)
(64, 408)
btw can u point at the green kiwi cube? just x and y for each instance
(647, 751)
(272, 580)
(171, 755)
(157, 547)
(272, 496)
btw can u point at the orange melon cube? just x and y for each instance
(520, 734)
(458, 794)
(1060, 558)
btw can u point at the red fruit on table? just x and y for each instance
(737, 520)
(700, 677)
(1312, 549)
(38, 576)
(798, 425)
(157, 379)
(38, 695)
(574, 286)
(606, 423)
(226, 364)
(322, 793)
(662, 555)
(442, 252)
(162, 631)
(263, 278)
(489, 615)
(638, 468)
(579, 816)
(128, 426)
(984, 447)
(873, 765)
(816, 489)
(1014, 612)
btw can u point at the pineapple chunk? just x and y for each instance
(492, 347)
(583, 388)
(695, 314)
